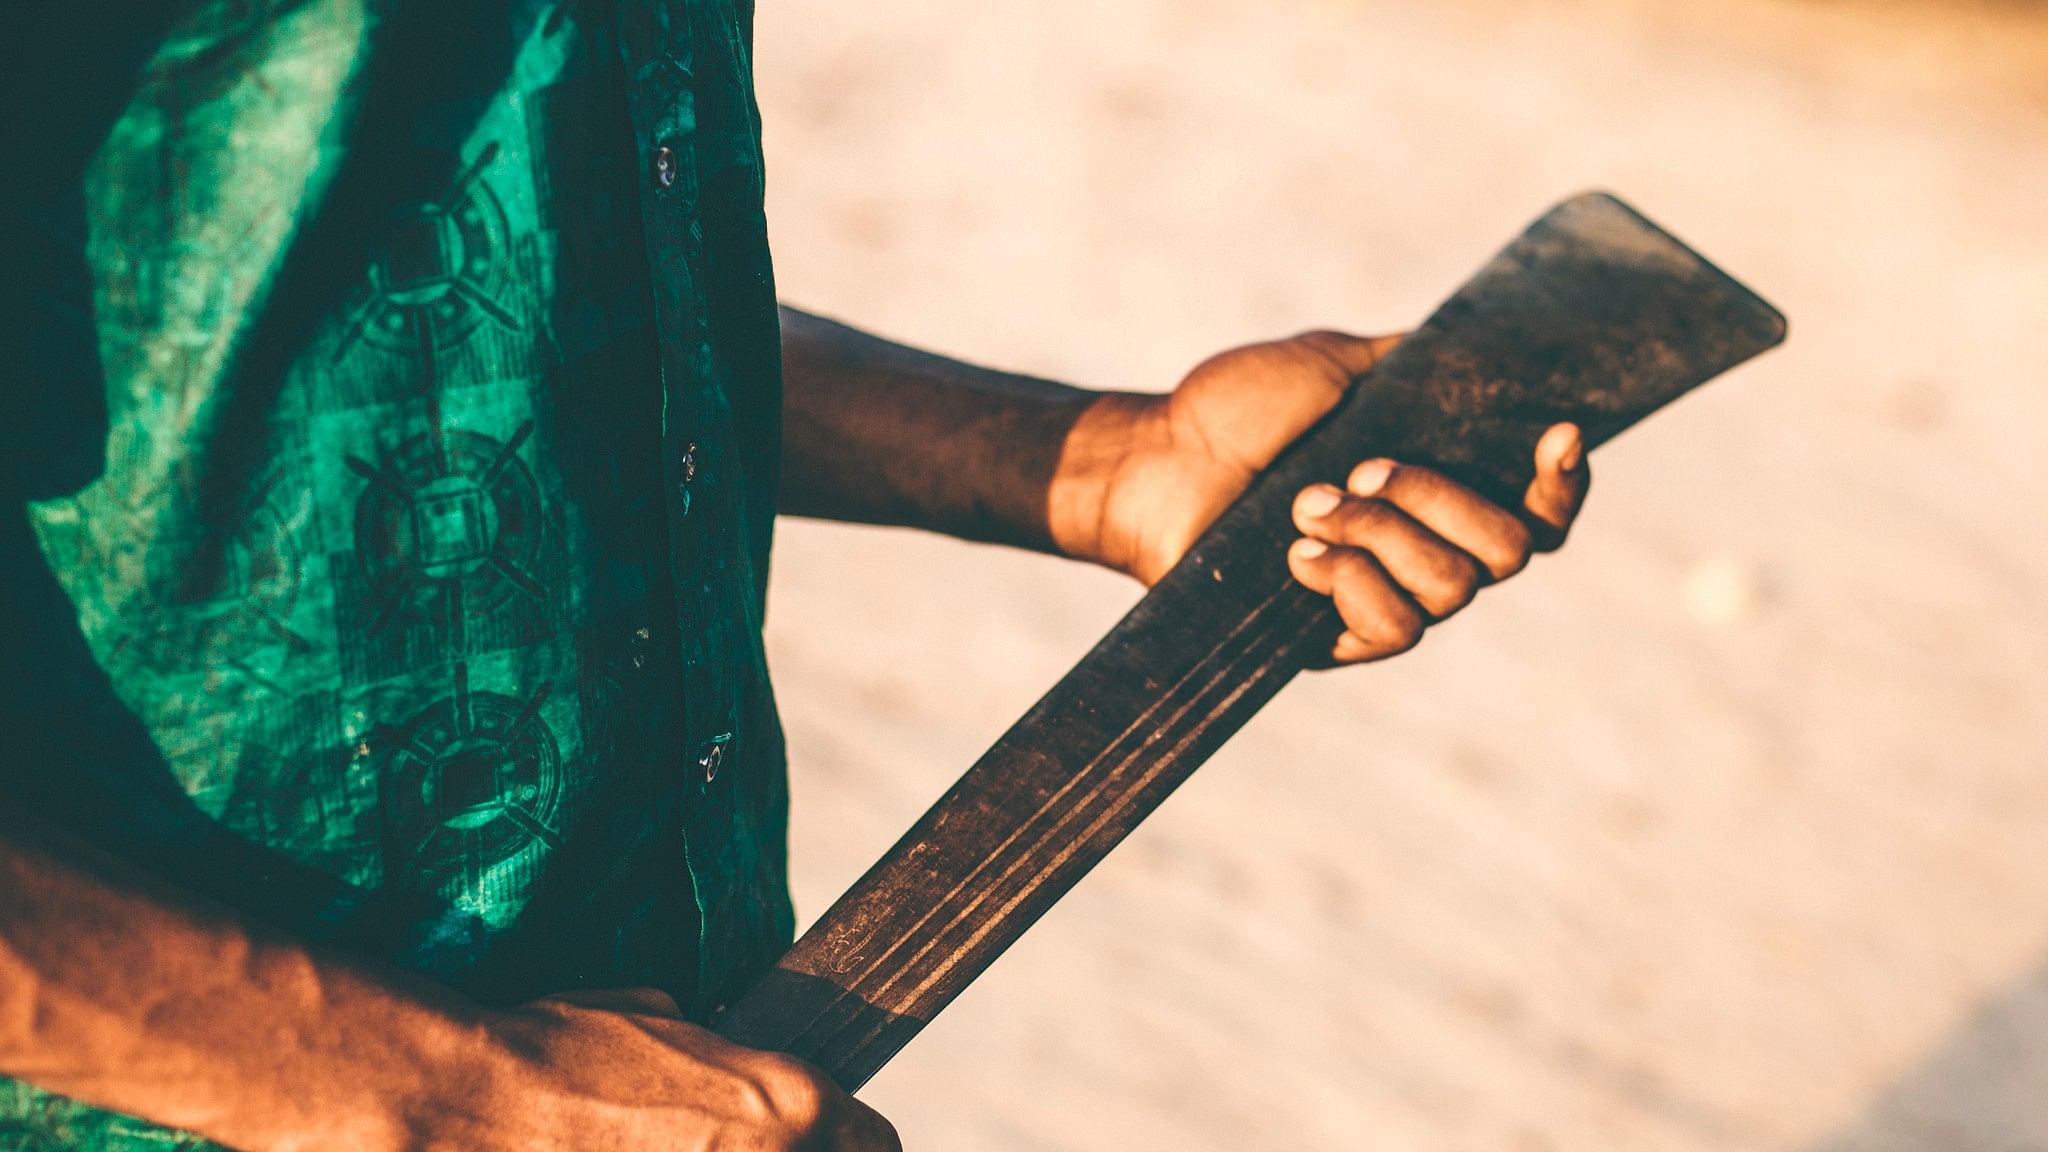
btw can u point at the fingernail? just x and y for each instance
(1308, 548)
(1573, 454)
(1319, 500)
(1371, 476)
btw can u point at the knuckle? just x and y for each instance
(783, 1092)
(1411, 485)
(1408, 633)
(1471, 577)
(1399, 628)
(1456, 583)
(802, 1099)
(1511, 553)
(1354, 569)
(1377, 611)
(1360, 519)
(1354, 582)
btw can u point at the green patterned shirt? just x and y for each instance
(418, 605)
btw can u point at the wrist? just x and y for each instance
(1082, 495)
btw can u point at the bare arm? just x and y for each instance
(127, 995)
(880, 433)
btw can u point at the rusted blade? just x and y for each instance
(1593, 315)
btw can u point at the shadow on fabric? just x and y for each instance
(69, 749)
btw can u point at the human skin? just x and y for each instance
(122, 992)
(883, 434)
(126, 994)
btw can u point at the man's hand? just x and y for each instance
(118, 991)
(623, 1070)
(884, 434)
(1399, 548)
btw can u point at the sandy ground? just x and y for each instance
(1723, 830)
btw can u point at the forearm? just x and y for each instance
(879, 433)
(128, 996)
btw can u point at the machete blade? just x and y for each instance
(1593, 315)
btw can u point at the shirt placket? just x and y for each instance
(656, 40)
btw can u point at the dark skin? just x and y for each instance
(883, 434)
(119, 991)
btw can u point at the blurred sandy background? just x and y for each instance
(1728, 828)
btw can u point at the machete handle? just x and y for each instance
(1594, 315)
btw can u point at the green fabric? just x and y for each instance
(431, 546)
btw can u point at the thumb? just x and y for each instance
(1356, 355)
(1252, 402)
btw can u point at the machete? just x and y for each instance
(1593, 315)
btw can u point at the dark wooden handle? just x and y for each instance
(1593, 315)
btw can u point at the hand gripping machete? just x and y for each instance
(1593, 315)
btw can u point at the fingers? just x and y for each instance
(865, 1130)
(1379, 618)
(1401, 547)
(629, 1072)
(1435, 572)
(1490, 534)
(794, 1098)
(1554, 497)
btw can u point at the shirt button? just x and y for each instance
(664, 167)
(687, 468)
(711, 754)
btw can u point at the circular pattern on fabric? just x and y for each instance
(439, 270)
(450, 520)
(470, 781)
